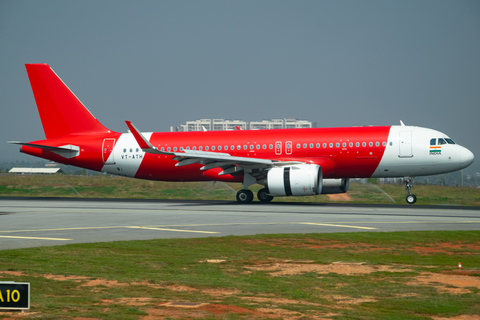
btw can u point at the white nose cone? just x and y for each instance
(466, 157)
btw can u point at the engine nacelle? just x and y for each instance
(335, 186)
(295, 180)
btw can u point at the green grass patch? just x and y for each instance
(107, 280)
(107, 186)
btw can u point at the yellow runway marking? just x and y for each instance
(62, 229)
(168, 229)
(336, 225)
(34, 238)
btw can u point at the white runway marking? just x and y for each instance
(168, 229)
(336, 225)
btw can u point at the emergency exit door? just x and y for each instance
(107, 151)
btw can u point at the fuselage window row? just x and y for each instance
(289, 146)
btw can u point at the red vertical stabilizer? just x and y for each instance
(60, 110)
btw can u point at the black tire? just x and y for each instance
(244, 196)
(263, 196)
(411, 199)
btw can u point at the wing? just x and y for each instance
(230, 164)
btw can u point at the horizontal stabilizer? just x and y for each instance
(67, 151)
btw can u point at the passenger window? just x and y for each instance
(163, 149)
(318, 145)
(357, 144)
(264, 146)
(174, 149)
(304, 145)
(200, 148)
(441, 141)
(337, 144)
(168, 149)
(344, 144)
(251, 147)
(330, 145)
(311, 145)
(433, 142)
(370, 144)
(232, 147)
(131, 150)
(377, 144)
(364, 144)
(270, 146)
(324, 145)
(124, 150)
(238, 147)
(206, 148)
(181, 148)
(258, 147)
(384, 143)
(194, 148)
(244, 147)
(298, 145)
(213, 148)
(350, 144)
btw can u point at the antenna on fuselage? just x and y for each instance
(402, 124)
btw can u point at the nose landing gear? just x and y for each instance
(411, 198)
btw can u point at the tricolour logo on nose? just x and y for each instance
(436, 150)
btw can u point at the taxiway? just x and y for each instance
(32, 222)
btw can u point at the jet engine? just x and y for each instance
(335, 186)
(295, 180)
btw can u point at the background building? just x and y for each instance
(222, 124)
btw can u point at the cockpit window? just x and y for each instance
(449, 141)
(433, 142)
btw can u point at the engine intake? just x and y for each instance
(296, 180)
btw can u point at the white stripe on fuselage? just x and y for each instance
(126, 156)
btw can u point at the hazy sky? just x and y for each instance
(161, 63)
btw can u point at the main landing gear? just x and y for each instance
(411, 198)
(246, 196)
(263, 196)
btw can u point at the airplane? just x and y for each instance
(286, 162)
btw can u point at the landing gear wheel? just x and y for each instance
(411, 199)
(263, 196)
(244, 196)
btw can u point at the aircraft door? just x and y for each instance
(278, 148)
(405, 142)
(288, 147)
(107, 151)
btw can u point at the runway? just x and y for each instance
(34, 222)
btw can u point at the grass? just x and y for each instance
(100, 186)
(174, 270)
(171, 270)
